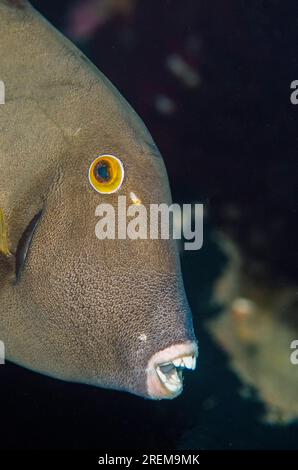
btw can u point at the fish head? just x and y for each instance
(108, 312)
(111, 312)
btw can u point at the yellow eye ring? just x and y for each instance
(106, 174)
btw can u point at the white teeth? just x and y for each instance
(172, 380)
(188, 362)
(177, 362)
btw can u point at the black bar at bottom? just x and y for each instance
(134, 459)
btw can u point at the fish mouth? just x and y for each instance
(165, 370)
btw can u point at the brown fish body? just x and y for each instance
(104, 312)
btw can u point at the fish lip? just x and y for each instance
(156, 388)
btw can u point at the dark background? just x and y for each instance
(229, 141)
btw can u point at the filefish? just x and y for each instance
(111, 313)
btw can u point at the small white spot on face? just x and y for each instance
(143, 337)
(135, 198)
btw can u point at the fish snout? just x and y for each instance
(165, 370)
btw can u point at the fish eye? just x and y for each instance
(106, 174)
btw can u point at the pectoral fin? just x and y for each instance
(4, 249)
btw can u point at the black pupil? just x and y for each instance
(103, 172)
